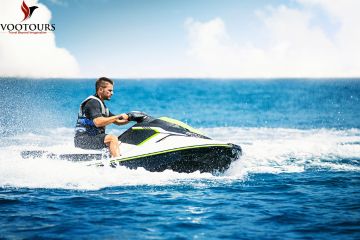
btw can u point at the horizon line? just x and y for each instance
(184, 78)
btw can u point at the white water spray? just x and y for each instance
(266, 150)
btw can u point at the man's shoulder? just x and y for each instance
(92, 103)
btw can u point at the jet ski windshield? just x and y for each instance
(148, 126)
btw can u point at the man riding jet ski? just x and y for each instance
(93, 118)
(158, 144)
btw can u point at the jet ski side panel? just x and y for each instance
(203, 159)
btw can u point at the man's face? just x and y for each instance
(107, 91)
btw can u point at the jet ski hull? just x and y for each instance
(203, 158)
(212, 158)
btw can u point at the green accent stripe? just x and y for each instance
(171, 150)
(181, 124)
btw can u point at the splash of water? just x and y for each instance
(265, 150)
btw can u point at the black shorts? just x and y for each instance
(85, 141)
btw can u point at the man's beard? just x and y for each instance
(106, 98)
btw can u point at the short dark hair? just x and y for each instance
(101, 82)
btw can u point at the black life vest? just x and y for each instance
(87, 126)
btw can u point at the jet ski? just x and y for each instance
(158, 144)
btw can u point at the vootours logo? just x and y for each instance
(25, 28)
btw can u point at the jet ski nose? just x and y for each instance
(236, 150)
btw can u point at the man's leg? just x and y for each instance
(113, 143)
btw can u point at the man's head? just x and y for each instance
(104, 88)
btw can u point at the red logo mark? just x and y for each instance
(28, 11)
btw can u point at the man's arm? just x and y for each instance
(104, 121)
(120, 119)
(93, 111)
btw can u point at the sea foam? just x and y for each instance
(265, 150)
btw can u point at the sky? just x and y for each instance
(183, 39)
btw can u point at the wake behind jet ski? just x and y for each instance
(158, 144)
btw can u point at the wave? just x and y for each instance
(265, 150)
(276, 150)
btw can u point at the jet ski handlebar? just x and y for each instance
(137, 116)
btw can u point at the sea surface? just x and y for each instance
(298, 178)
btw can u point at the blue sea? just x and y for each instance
(298, 178)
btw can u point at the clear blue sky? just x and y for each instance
(145, 32)
(159, 23)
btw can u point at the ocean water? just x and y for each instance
(298, 178)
